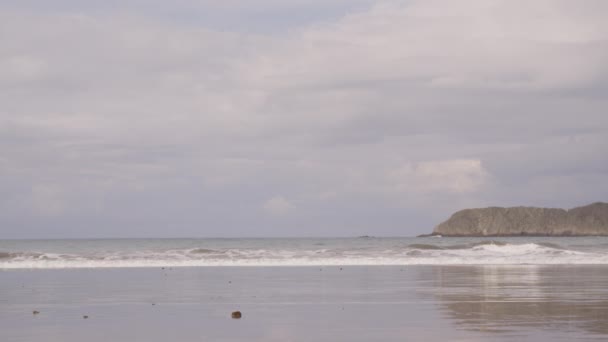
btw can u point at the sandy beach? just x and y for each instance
(304, 170)
(356, 303)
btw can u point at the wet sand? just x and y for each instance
(432, 303)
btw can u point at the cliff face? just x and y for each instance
(495, 221)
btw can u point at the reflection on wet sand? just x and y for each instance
(511, 299)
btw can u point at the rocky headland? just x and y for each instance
(589, 220)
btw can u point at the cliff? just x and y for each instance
(495, 221)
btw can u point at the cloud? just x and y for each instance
(438, 44)
(48, 200)
(458, 176)
(374, 115)
(278, 206)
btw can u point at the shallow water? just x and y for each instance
(349, 303)
(301, 252)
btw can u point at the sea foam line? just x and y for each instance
(476, 254)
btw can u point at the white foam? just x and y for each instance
(485, 254)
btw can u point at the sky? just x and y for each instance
(266, 118)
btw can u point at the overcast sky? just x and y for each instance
(295, 118)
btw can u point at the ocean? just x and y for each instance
(368, 251)
(355, 289)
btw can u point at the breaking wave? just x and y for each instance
(461, 246)
(478, 253)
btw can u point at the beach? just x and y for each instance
(324, 171)
(307, 303)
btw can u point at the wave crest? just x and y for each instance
(204, 251)
(478, 253)
(425, 246)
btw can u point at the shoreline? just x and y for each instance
(432, 303)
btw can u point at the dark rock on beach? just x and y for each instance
(590, 220)
(236, 315)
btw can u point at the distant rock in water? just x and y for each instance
(589, 220)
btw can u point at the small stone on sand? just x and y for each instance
(236, 314)
(35, 312)
(85, 316)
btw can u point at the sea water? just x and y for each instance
(368, 251)
(340, 289)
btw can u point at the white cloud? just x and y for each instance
(444, 176)
(482, 44)
(19, 69)
(278, 206)
(48, 200)
(437, 99)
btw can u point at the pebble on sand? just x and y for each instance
(85, 316)
(35, 312)
(236, 315)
